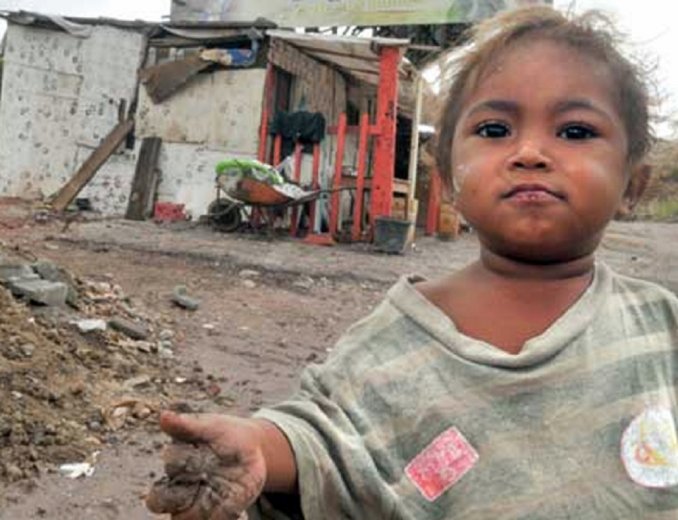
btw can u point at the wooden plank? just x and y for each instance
(90, 167)
(315, 184)
(140, 206)
(338, 164)
(414, 141)
(360, 178)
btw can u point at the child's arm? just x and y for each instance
(219, 465)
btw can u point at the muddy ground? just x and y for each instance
(267, 308)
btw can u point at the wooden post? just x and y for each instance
(360, 179)
(338, 165)
(91, 166)
(140, 205)
(384, 151)
(434, 198)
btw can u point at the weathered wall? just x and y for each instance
(60, 97)
(317, 87)
(214, 117)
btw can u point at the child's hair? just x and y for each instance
(590, 33)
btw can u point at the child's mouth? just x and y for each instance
(533, 193)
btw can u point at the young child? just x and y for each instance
(535, 383)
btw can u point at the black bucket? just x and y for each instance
(390, 234)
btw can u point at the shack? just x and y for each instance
(113, 101)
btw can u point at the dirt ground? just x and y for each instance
(267, 308)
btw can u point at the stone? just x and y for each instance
(52, 294)
(249, 284)
(51, 272)
(249, 273)
(137, 331)
(181, 298)
(27, 349)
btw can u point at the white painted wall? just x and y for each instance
(214, 117)
(60, 97)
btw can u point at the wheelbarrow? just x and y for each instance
(257, 200)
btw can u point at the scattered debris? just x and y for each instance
(79, 469)
(249, 273)
(57, 377)
(86, 326)
(130, 329)
(181, 298)
(119, 414)
(249, 284)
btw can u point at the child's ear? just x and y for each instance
(638, 180)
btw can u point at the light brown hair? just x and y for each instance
(591, 34)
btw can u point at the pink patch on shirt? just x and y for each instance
(441, 464)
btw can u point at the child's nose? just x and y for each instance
(529, 156)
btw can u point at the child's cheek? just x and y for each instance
(461, 173)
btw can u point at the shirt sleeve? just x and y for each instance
(337, 476)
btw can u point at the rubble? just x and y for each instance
(58, 380)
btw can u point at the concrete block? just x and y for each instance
(14, 270)
(41, 291)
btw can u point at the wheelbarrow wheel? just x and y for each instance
(224, 216)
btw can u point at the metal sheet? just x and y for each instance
(312, 13)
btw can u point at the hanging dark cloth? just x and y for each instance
(304, 127)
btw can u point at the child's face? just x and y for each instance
(539, 154)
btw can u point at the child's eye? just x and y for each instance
(493, 130)
(577, 131)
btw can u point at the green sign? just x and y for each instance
(323, 13)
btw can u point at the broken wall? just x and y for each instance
(60, 97)
(216, 116)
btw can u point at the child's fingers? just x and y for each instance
(188, 428)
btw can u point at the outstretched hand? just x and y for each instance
(215, 468)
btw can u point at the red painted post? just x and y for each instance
(298, 148)
(336, 184)
(434, 198)
(277, 149)
(315, 184)
(384, 150)
(263, 134)
(360, 179)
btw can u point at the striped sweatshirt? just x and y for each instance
(410, 419)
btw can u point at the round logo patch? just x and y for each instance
(649, 449)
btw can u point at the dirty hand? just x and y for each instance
(214, 469)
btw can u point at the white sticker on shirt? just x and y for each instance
(649, 449)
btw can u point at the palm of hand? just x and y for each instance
(214, 480)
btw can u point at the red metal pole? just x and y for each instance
(360, 179)
(298, 148)
(384, 151)
(338, 164)
(434, 198)
(315, 184)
